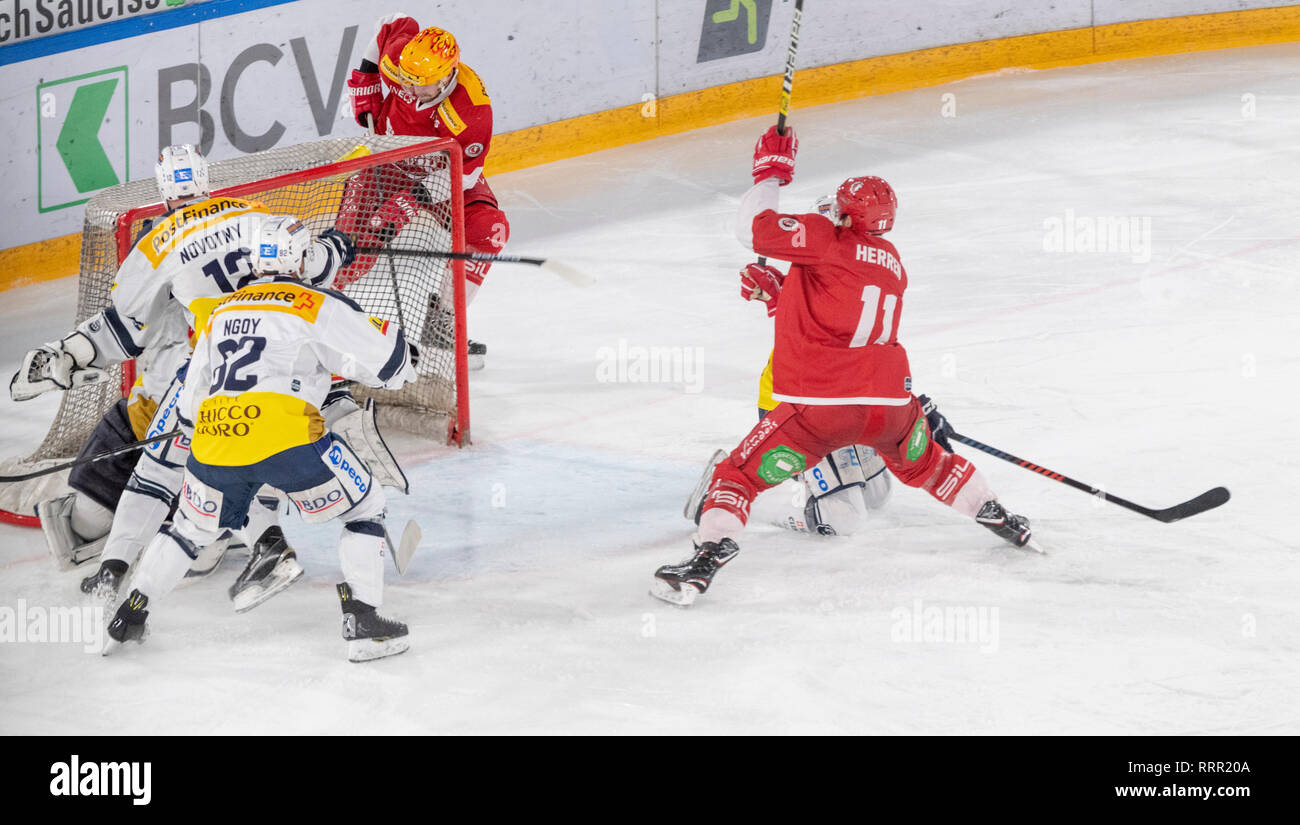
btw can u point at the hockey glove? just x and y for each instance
(367, 96)
(774, 155)
(343, 244)
(61, 365)
(939, 426)
(762, 283)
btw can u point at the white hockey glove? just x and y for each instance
(61, 365)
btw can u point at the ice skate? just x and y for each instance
(682, 583)
(104, 582)
(128, 624)
(1008, 526)
(369, 635)
(272, 567)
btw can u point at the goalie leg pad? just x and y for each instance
(360, 430)
(67, 548)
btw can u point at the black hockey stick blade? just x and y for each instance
(1205, 501)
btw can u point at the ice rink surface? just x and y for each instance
(1154, 370)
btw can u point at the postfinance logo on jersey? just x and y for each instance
(276, 296)
(237, 430)
(190, 219)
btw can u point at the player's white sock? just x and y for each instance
(717, 524)
(361, 556)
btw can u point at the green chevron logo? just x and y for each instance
(732, 28)
(751, 18)
(82, 137)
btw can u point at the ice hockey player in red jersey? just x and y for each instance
(412, 82)
(838, 370)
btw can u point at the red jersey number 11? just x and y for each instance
(876, 314)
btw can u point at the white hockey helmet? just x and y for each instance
(181, 173)
(827, 206)
(280, 245)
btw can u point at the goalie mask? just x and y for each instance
(280, 245)
(182, 173)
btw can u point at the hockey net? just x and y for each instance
(322, 183)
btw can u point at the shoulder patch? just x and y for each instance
(788, 223)
(473, 85)
(450, 118)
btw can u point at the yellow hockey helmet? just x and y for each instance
(430, 57)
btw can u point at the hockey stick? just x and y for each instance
(787, 86)
(411, 535)
(568, 273)
(1205, 501)
(125, 448)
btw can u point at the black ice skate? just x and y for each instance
(272, 567)
(476, 355)
(128, 623)
(681, 583)
(440, 331)
(1009, 526)
(104, 582)
(369, 635)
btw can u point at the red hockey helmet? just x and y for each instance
(870, 202)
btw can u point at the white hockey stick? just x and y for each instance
(411, 536)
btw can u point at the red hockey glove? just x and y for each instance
(761, 283)
(774, 155)
(367, 96)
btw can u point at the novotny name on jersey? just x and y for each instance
(165, 232)
(224, 236)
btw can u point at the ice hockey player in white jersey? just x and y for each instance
(253, 393)
(185, 262)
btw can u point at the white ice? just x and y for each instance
(528, 604)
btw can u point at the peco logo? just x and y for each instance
(337, 458)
